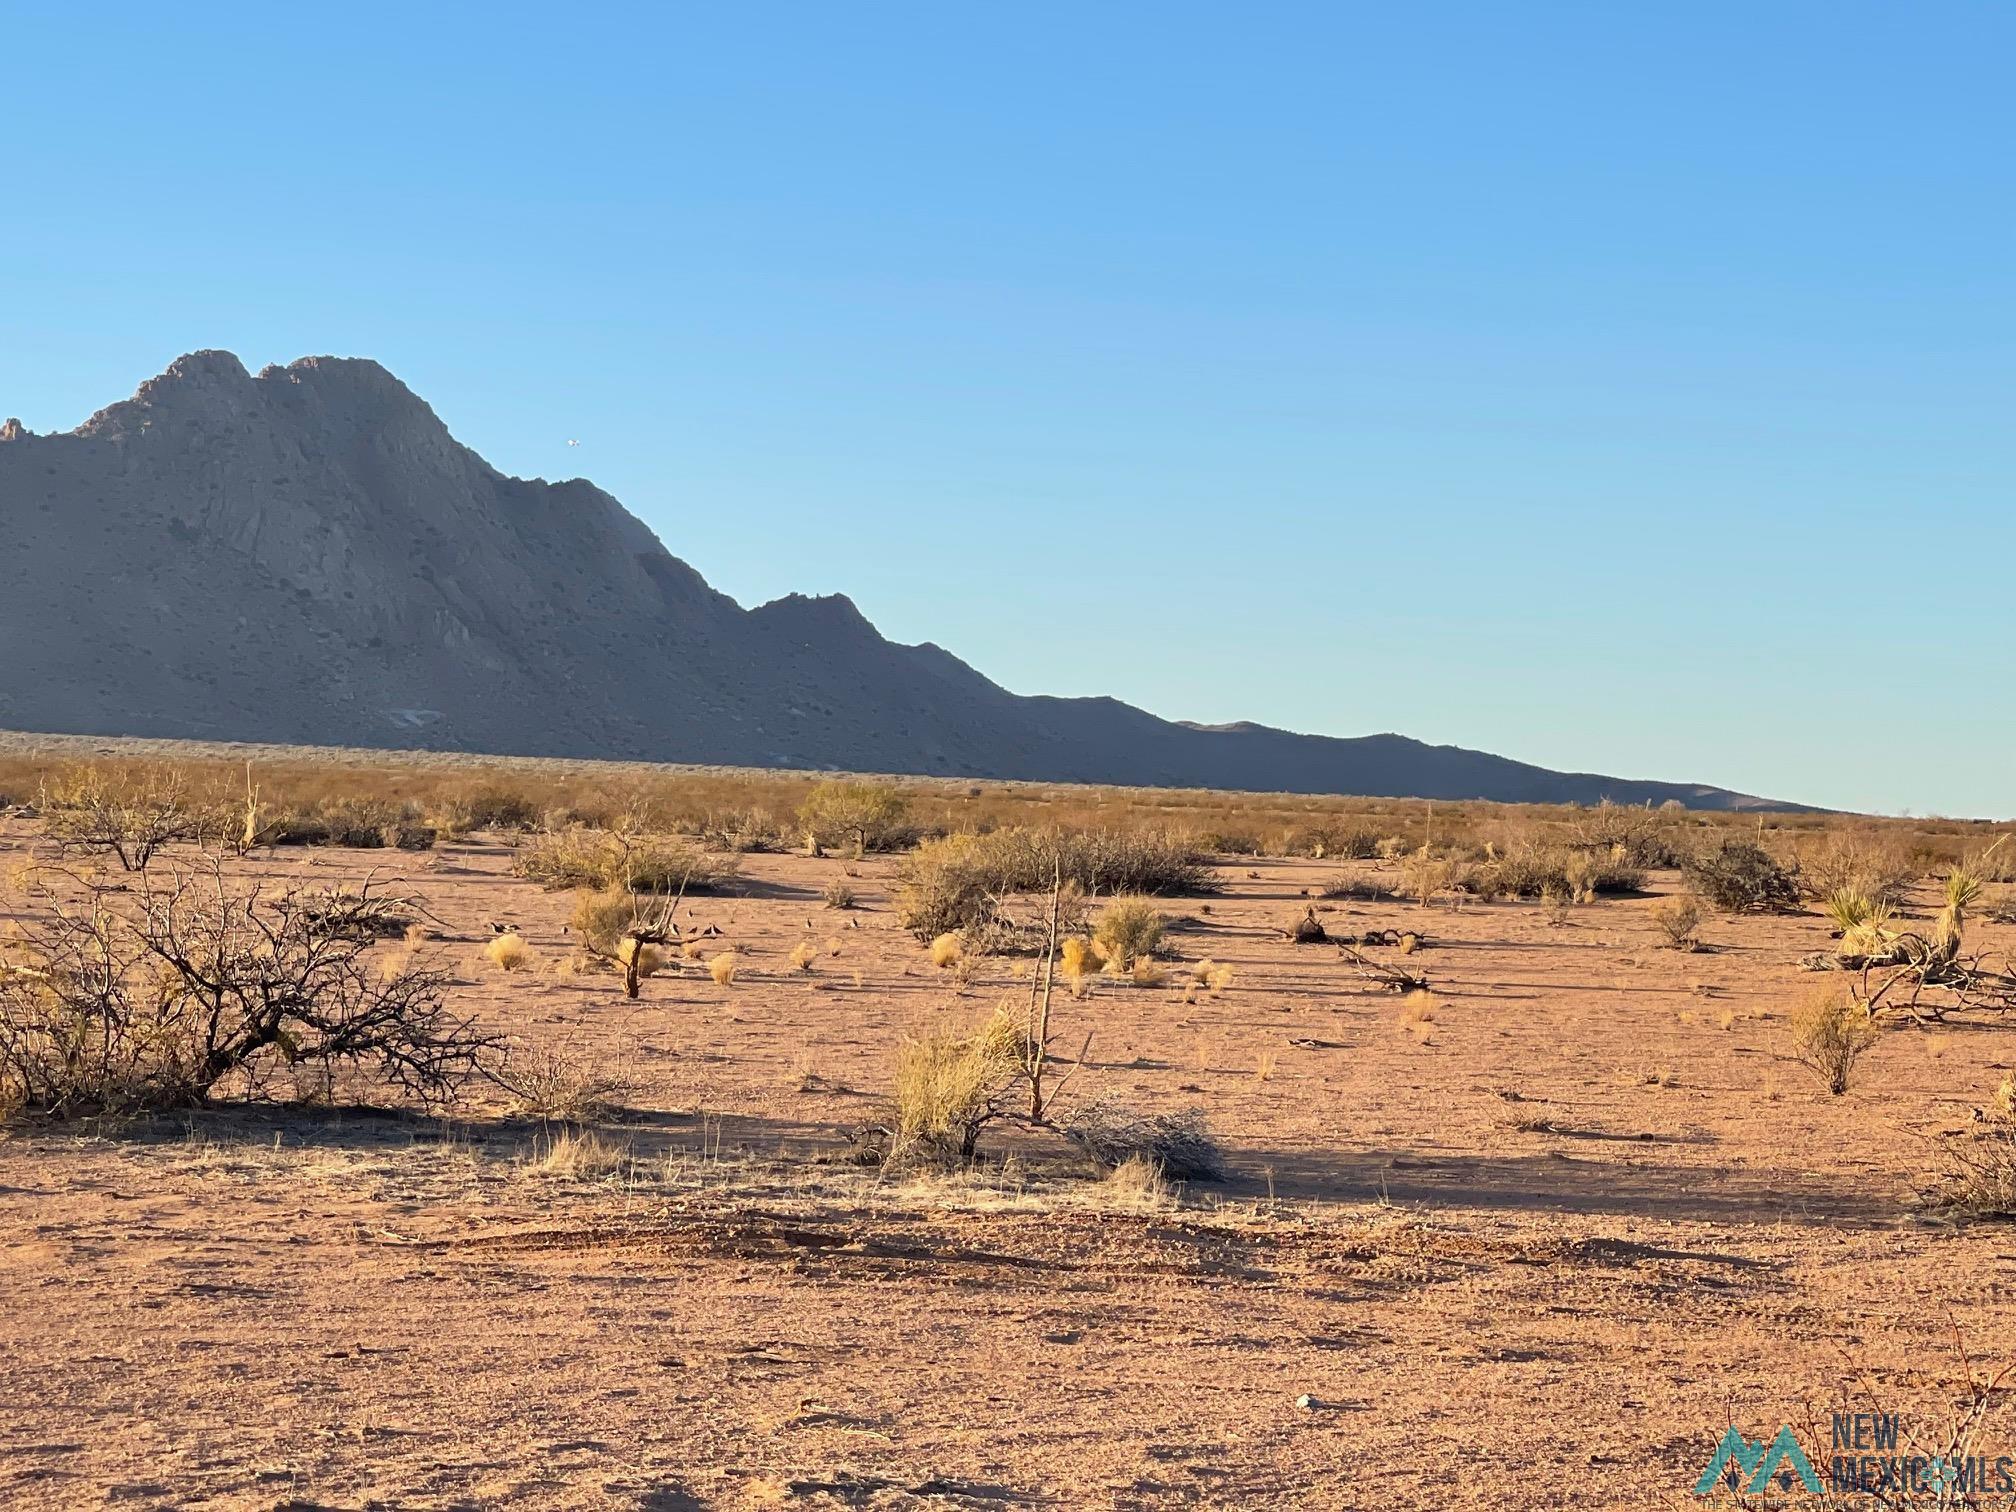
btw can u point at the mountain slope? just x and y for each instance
(308, 556)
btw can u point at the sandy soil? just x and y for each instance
(1538, 1253)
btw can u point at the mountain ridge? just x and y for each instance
(308, 556)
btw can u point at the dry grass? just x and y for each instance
(946, 951)
(722, 968)
(802, 956)
(577, 1155)
(949, 1086)
(509, 952)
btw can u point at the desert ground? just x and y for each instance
(1537, 1245)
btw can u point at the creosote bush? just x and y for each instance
(125, 812)
(1740, 876)
(1129, 932)
(1679, 920)
(1830, 1031)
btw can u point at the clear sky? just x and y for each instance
(1621, 387)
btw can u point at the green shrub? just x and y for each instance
(862, 816)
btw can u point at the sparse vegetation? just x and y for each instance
(634, 859)
(964, 881)
(1831, 1030)
(1679, 920)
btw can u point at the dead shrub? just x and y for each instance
(838, 894)
(1979, 1180)
(156, 1001)
(1177, 1144)
(128, 813)
(1868, 863)
(557, 1087)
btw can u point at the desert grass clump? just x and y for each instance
(579, 1155)
(642, 957)
(946, 950)
(1679, 920)
(1177, 1144)
(1740, 876)
(1213, 976)
(1830, 1032)
(950, 1086)
(1078, 958)
(838, 894)
(722, 968)
(1138, 1184)
(1979, 1180)
(803, 955)
(1129, 931)
(509, 952)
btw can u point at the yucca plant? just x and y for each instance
(1863, 922)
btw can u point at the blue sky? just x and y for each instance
(1622, 388)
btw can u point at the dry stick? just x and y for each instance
(1392, 976)
(1039, 1007)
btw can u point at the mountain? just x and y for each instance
(307, 556)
